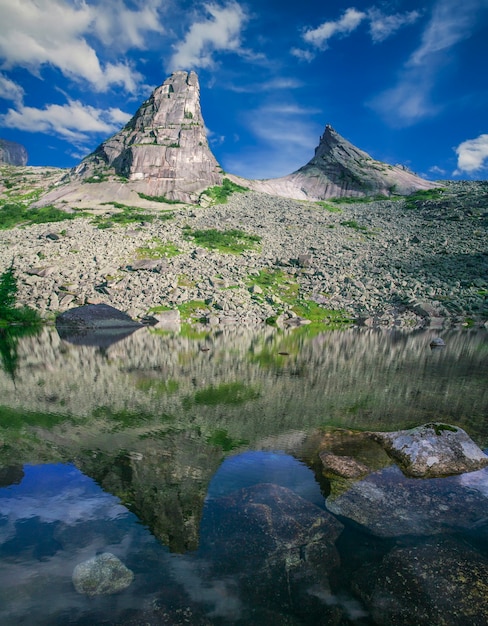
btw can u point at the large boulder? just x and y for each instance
(101, 575)
(387, 504)
(433, 450)
(277, 546)
(95, 325)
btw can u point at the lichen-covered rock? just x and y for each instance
(344, 466)
(442, 582)
(433, 450)
(101, 575)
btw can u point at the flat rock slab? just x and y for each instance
(442, 581)
(101, 575)
(343, 466)
(388, 504)
(433, 450)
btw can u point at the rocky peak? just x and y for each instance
(339, 169)
(12, 153)
(164, 146)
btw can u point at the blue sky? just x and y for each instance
(406, 81)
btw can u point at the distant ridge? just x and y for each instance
(163, 152)
(339, 169)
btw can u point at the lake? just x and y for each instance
(193, 458)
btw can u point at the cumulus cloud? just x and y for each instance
(410, 99)
(345, 25)
(472, 155)
(10, 90)
(35, 33)
(219, 31)
(73, 121)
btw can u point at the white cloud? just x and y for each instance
(10, 90)
(472, 155)
(303, 55)
(382, 26)
(34, 33)
(73, 121)
(219, 32)
(349, 21)
(410, 99)
(274, 84)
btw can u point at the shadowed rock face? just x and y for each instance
(164, 146)
(12, 153)
(340, 169)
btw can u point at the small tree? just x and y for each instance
(8, 292)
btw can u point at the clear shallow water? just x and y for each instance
(192, 466)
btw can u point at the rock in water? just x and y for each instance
(164, 146)
(12, 153)
(339, 169)
(433, 450)
(101, 575)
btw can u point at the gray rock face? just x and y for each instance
(101, 575)
(433, 450)
(12, 153)
(339, 169)
(164, 146)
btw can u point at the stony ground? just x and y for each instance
(405, 262)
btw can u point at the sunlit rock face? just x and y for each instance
(12, 153)
(164, 145)
(340, 169)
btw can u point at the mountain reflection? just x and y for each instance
(151, 417)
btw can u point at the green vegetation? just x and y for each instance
(128, 215)
(188, 115)
(222, 439)
(359, 200)
(353, 224)
(12, 214)
(15, 322)
(157, 386)
(283, 291)
(234, 393)
(412, 201)
(220, 194)
(328, 207)
(157, 198)
(157, 249)
(193, 311)
(98, 176)
(232, 241)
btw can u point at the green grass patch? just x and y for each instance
(12, 214)
(158, 198)
(353, 224)
(220, 193)
(359, 199)
(158, 387)
(222, 439)
(127, 215)
(157, 249)
(234, 393)
(233, 241)
(332, 208)
(193, 310)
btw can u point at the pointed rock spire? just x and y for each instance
(164, 146)
(339, 169)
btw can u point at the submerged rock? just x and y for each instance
(101, 575)
(442, 582)
(387, 504)
(433, 450)
(344, 466)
